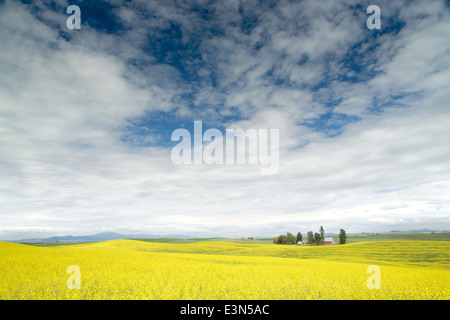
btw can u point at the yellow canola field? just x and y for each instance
(128, 269)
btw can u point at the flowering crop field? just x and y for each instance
(132, 269)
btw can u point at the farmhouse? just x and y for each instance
(328, 241)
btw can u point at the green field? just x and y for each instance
(400, 236)
(351, 238)
(196, 240)
(420, 254)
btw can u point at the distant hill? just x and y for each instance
(104, 236)
(416, 231)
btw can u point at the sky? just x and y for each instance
(86, 116)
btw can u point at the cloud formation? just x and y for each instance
(86, 116)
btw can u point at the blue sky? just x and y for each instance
(86, 116)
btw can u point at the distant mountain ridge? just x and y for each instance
(106, 236)
(103, 236)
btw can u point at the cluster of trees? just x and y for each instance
(312, 238)
(287, 238)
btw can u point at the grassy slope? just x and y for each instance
(426, 236)
(195, 240)
(433, 254)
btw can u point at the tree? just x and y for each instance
(310, 237)
(317, 238)
(282, 239)
(342, 236)
(275, 240)
(322, 234)
(299, 237)
(290, 238)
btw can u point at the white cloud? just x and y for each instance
(64, 106)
